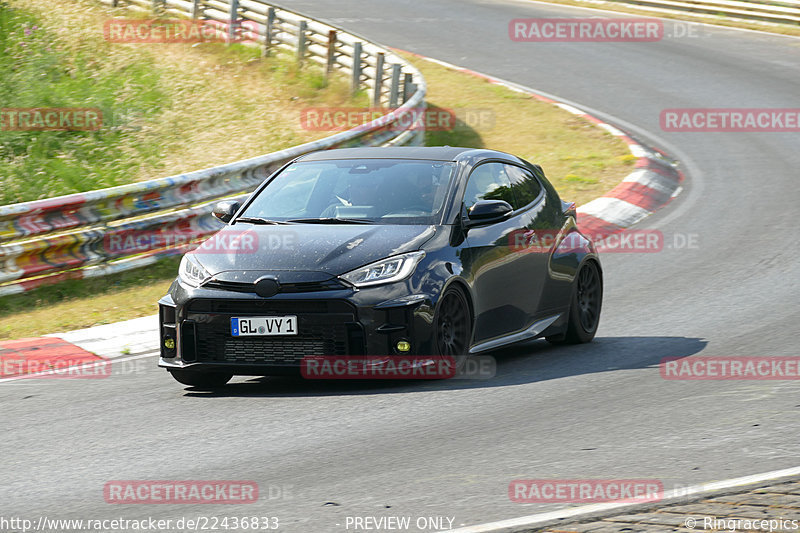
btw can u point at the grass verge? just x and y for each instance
(166, 108)
(83, 303)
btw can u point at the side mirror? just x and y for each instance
(569, 209)
(225, 210)
(488, 211)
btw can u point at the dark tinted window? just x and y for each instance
(526, 187)
(488, 182)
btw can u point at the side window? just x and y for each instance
(526, 187)
(488, 181)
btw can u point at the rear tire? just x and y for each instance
(584, 310)
(201, 380)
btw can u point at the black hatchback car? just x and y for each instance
(435, 251)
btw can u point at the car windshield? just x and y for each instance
(380, 191)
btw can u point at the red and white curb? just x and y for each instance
(83, 353)
(653, 184)
(42, 356)
(130, 337)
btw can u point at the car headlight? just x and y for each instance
(387, 270)
(191, 271)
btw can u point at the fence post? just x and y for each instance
(233, 23)
(268, 36)
(301, 42)
(114, 3)
(158, 6)
(376, 95)
(355, 82)
(408, 87)
(394, 89)
(331, 59)
(196, 8)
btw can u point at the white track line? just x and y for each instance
(544, 519)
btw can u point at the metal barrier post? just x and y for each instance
(408, 87)
(268, 34)
(301, 42)
(394, 89)
(331, 58)
(355, 82)
(233, 23)
(376, 95)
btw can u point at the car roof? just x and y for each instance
(433, 153)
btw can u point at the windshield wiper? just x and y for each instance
(332, 220)
(257, 220)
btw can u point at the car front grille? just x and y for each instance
(215, 344)
(325, 327)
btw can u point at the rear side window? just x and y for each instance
(525, 185)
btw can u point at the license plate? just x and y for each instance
(264, 326)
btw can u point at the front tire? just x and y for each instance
(201, 380)
(453, 326)
(584, 311)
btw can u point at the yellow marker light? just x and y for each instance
(169, 344)
(403, 346)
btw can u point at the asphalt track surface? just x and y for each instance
(451, 448)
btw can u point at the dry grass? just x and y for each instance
(104, 308)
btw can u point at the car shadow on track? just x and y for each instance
(527, 363)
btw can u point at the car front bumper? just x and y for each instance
(195, 327)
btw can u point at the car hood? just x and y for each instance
(328, 250)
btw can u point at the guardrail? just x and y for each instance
(46, 241)
(779, 12)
